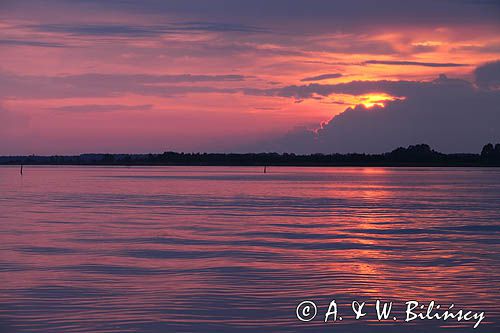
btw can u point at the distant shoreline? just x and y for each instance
(488, 166)
(413, 156)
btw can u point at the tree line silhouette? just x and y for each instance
(415, 155)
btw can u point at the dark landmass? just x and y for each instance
(417, 155)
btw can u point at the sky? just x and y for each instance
(122, 76)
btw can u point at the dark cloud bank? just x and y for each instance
(451, 115)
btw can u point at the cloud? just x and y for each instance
(148, 78)
(451, 115)
(322, 77)
(487, 48)
(102, 108)
(328, 15)
(109, 85)
(395, 88)
(267, 108)
(422, 48)
(357, 45)
(217, 27)
(16, 42)
(413, 63)
(488, 75)
(139, 31)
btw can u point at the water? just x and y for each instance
(226, 249)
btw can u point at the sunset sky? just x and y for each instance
(229, 75)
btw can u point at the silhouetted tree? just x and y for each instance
(420, 153)
(491, 154)
(488, 150)
(108, 159)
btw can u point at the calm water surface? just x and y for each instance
(216, 249)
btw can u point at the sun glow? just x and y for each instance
(371, 100)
